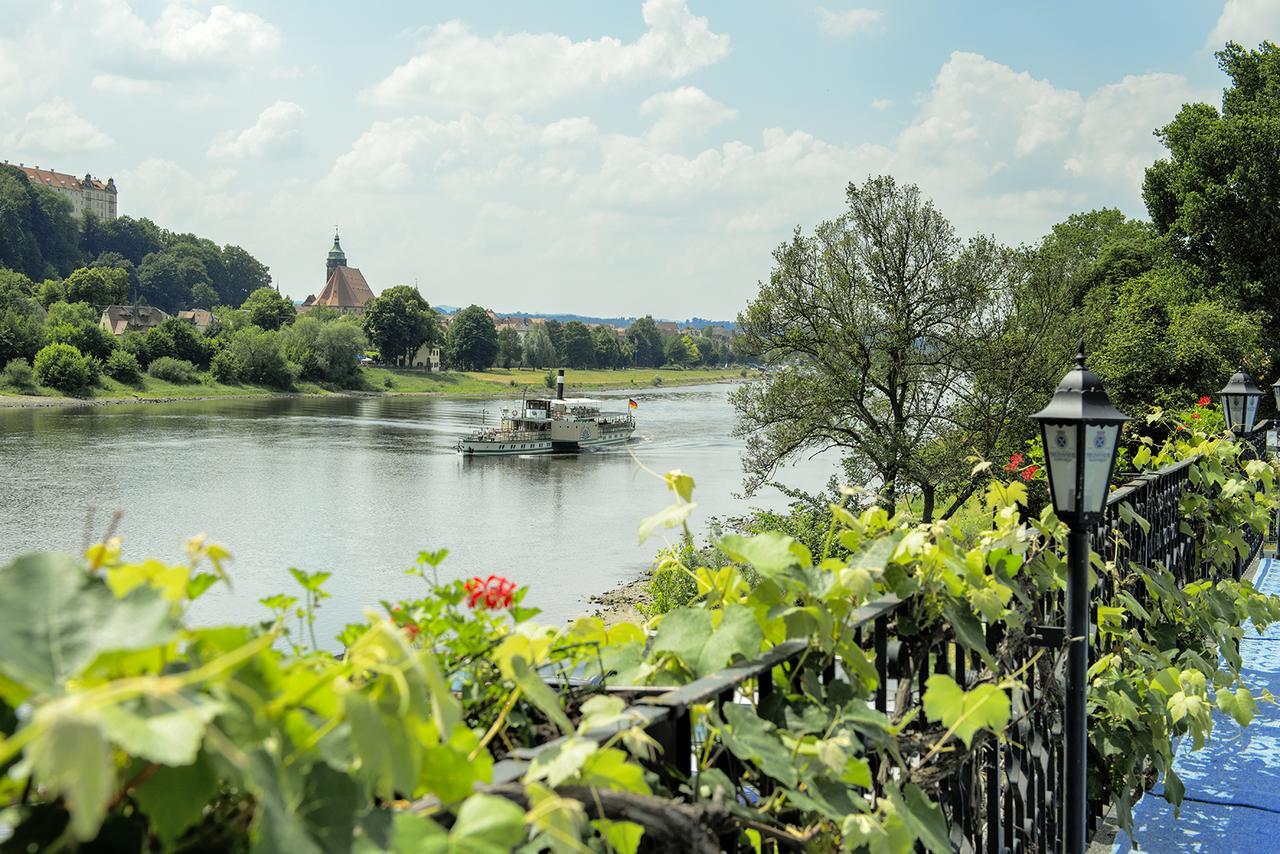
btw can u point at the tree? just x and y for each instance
(77, 324)
(244, 275)
(577, 348)
(98, 286)
(509, 350)
(1215, 197)
(555, 331)
(61, 366)
(116, 261)
(608, 352)
(324, 349)
(132, 239)
(647, 341)
(472, 342)
(21, 319)
(39, 235)
(167, 278)
(178, 339)
(539, 352)
(883, 323)
(680, 350)
(268, 309)
(255, 356)
(398, 321)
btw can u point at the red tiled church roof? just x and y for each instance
(346, 288)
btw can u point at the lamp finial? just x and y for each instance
(1080, 353)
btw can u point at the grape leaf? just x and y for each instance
(486, 824)
(965, 712)
(71, 756)
(175, 798)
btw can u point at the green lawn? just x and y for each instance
(494, 383)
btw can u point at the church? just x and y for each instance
(344, 287)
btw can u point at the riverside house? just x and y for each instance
(119, 319)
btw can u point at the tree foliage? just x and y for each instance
(539, 352)
(577, 347)
(269, 309)
(62, 366)
(510, 353)
(398, 321)
(472, 342)
(646, 342)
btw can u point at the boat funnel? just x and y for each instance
(560, 384)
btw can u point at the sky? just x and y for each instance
(616, 158)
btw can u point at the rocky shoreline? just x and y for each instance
(621, 604)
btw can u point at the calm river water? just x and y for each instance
(358, 486)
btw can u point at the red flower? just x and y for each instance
(1014, 461)
(492, 592)
(1204, 400)
(1195, 415)
(1182, 427)
(1029, 472)
(412, 630)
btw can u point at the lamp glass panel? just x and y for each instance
(1233, 409)
(1099, 451)
(1250, 413)
(1062, 458)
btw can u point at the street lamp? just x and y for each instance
(1240, 398)
(1080, 430)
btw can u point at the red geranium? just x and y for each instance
(1205, 400)
(1014, 461)
(1195, 415)
(1029, 472)
(492, 592)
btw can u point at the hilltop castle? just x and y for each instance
(85, 194)
(344, 287)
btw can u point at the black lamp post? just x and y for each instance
(1081, 431)
(1240, 398)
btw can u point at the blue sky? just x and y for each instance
(605, 158)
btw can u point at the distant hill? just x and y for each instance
(691, 323)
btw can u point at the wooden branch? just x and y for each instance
(668, 824)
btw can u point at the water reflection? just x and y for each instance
(358, 486)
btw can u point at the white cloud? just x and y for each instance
(182, 200)
(185, 35)
(118, 85)
(683, 113)
(55, 127)
(848, 22)
(1247, 22)
(455, 67)
(881, 104)
(274, 133)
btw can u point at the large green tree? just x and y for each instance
(883, 324)
(242, 275)
(472, 343)
(39, 235)
(98, 286)
(539, 352)
(577, 348)
(21, 318)
(398, 321)
(167, 279)
(1216, 197)
(647, 342)
(268, 309)
(509, 350)
(605, 342)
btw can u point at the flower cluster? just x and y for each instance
(492, 592)
(1015, 465)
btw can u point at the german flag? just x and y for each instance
(632, 404)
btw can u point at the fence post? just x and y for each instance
(1076, 749)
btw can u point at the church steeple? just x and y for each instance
(336, 258)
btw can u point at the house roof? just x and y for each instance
(119, 319)
(346, 288)
(63, 181)
(201, 317)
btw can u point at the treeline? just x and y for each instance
(399, 322)
(913, 353)
(41, 239)
(51, 334)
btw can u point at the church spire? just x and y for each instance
(336, 258)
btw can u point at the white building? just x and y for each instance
(85, 194)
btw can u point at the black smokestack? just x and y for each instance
(560, 384)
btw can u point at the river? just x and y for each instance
(357, 487)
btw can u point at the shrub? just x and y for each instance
(17, 373)
(173, 370)
(61, 366)
(123, 366)
(93, 366)
(254, 356)
(657, 380)
(179, 339)
(225, 367)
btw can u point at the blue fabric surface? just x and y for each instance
(1232, 800)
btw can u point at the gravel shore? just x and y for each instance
(620, 605)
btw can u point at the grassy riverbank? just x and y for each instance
(493, 383)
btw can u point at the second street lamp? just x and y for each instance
(1240, 398)
(1081, 431)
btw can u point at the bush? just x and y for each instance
(173, 370)
(17, 373)
(255, 356)
(61, 366)
(123, 366)
(93, 366)
(225, 367)
(179, 339)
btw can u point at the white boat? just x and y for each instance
(547, 424)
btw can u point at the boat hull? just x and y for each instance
(481, 448)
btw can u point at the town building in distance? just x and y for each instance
(85, 194)
(344, 288)
(119, 319)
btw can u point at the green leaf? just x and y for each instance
(538, 693)
(965, 712)
(487, 824)
(408, 833)
(328, 808)
(71, 757)
(753, 739)
(55, 619)
(385, 757)
(1174, 790)
(668, 517)
(680, 483)
(622, 836)
(1239, 704)
(174, 798)
(967, 628)
(561, 761)
(923, 818)
(769, 553)
(168, 730)
(688, 633)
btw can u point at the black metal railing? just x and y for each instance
(1007, 796)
